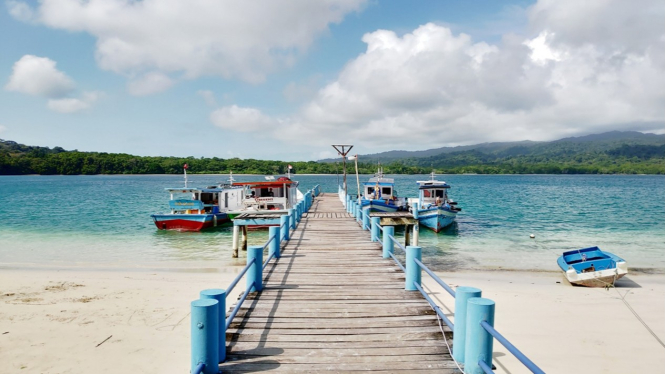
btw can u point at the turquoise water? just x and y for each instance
(104, 221)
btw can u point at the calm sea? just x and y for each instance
(104, 221)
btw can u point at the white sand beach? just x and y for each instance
(75, 321)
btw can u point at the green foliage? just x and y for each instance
(560, 157)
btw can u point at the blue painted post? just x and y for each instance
(284, 222)
(366, 218)
(462, 295)
(292, 220)
(415, 210)
(388, 245)
(255, 272)
(478, 341)
(359, 213)
(413, 271)
(347, 204)
(219, 295)
(376, 221)
(299, 211)
(205, 335)
(275, 243)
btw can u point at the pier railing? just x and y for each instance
(473, 330)
(209, 322)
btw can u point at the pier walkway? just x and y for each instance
(332, 303)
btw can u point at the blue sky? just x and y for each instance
(285, 79)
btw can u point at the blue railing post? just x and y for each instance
(462, 295)
(299, 211)
(359, 213)
(478, 346)
(219, 295)
(366, 218)
(284, 225)
(413, 272)
(275, 243)
(415, 210)
(292, 220)
(205, 335)
(255, 272)
(388, 246)
(347, 204)
(376, 221)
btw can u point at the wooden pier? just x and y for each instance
(332, 303)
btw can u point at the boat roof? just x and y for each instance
(196, 189)
(370, 183)
(266, 184)
(432, 184)
(381, 179)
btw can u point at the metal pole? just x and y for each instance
(388, 245)
(358, 177)
(219, 295)
(234, 245)
(205, 335)
(255, 272)
(479, 342)
(413, 272)
(462, 295)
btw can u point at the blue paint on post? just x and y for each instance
(284, 225)
(219, 295)
(376, 221)
(388, 246)
(462, 295)
(479, 342)
(205, 335)
(255, 272)
(359, 216)
(347, 204)
(275, 243)
(413, 272)
(292, 220)
(299, 211)
(415, 210)
(366, 218)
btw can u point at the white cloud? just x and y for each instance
(2, 129)
(234, 39)
(430, 87)
(150, 83)
(73, 105)
(242, 119)
(39, 76)
(208, 96)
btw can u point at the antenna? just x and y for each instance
(343, 150)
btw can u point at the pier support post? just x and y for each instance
(234, 245)
(413, 271)
(275, 243)
(416, 225)
(462, 295)
(376, 221)
(292, 220)
(255, 272)
(219, 295)
(479, 342)
(284, 225)
(407, 235)
(244, 238)
(205, 335)
(388, 245)
(366, 218)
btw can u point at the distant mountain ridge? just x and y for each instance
(603, 141)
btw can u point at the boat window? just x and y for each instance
(370, 190)
(438, 193)
(226, 200)
(426, 193)
(387, 191)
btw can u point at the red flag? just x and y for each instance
(186, 167)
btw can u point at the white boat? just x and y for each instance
(592, 267)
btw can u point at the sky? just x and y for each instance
(283, 80)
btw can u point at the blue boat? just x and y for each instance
(436, 211)
(379, 195)
(592, 267)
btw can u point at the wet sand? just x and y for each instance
(73, 320)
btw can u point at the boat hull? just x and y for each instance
(437, 218)
(379, 206)
(591, 267)
(189, 222)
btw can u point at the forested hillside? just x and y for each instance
(608, 153)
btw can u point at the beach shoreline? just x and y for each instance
(62, 320)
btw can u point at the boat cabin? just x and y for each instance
(432, 193)
(269, 195)
(212, 199)
(379, 189)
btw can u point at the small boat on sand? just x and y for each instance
(592, 267)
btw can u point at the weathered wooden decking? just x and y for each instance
(331, 303)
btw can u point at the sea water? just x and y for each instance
(104, 221)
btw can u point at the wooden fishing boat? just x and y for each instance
(436, 211)
(379, 195)
(592, 267)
